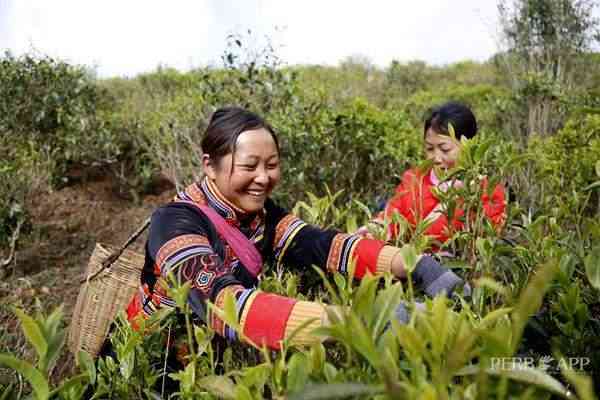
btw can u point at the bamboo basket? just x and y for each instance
(112, 277)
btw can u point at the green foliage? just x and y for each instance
(23, 172)
(546, 42)
(44, 96)
(566, 165)
(156, 117)
(46, 335)
(347, 133)
(55, 104)
(313, 137)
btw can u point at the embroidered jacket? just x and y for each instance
(415, 201)
(183, 241)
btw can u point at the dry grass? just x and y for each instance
(50, 260)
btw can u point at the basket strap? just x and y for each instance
(117, 253)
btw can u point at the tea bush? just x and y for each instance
(347, 133)
(56, 105)
(568, 164)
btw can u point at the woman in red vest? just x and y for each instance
(414, 198)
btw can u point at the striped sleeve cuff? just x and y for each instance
(384, 259)
(302, 312)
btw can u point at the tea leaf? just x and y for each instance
(361, 340)
(408, 254)
(385, 304)
(256, 376)
(229, 309)
(592, 186)
(491, 284)
(451, 131)
(484, 246)
(522, 374)
(364, 296)
(336, 391)
(592, 267)
(317, 356)
(75, 383)
(298, 372)
(51, 324)
(31, 374)
(493, 316)
(412, 343)
(330, 372)
(218, 385)
(531, 298)
(87, 362)
(440, 324)
(242, 393)
(583, 384)
(33, 333)
(55, 346)
(340, 281)
(332, 292)
(460, 353)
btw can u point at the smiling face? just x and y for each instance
(247, 177)
(443, 150)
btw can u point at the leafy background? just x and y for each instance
(87, 159)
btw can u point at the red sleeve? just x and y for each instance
(404, 201)
(494, 205)
(366, 255)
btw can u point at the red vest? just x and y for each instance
(414, 200)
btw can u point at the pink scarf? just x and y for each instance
(245, 251)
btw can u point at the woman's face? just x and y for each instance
(443, 150)
(256, 170)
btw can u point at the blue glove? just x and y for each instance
(402, 314)
(436, 279)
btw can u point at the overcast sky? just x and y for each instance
(126, 37)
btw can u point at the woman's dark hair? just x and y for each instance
(225, 125)
(459, 115)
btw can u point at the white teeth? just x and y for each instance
(255, 193)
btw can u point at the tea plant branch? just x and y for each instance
(164, 372)
(13, 245)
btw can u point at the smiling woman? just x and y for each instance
(247, 176)
(217, 232)
(415, 198)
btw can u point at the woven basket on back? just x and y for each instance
(102, 296)
(111, 278)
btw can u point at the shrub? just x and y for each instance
(54, 104)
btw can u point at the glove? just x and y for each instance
(436, 279)
(402, 314)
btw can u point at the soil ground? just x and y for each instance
(51, 259)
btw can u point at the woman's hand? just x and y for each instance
(398, 266)
(431, 276)
(363, 231)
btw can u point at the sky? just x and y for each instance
(127, 37)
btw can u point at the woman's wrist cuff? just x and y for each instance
(384, 259)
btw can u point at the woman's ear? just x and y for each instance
(208, 167)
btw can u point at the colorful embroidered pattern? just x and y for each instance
(217, 323)
(192, 259)
(180, 248)
(285, 231)
(192, 193)
(341, 251)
